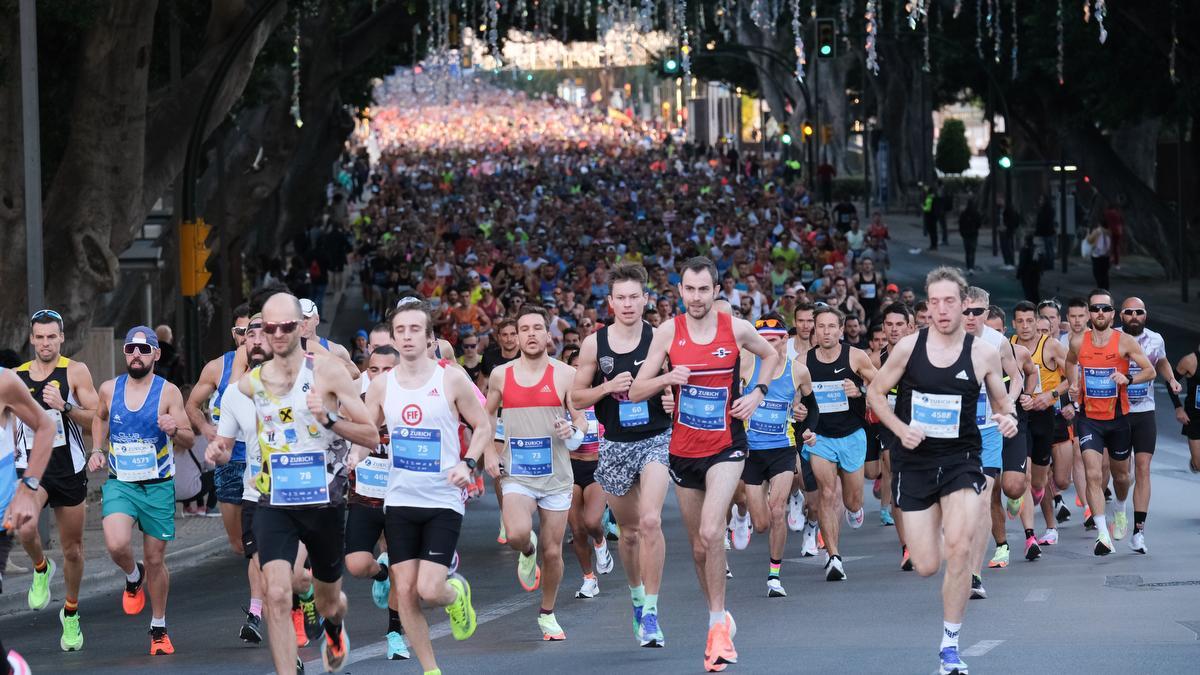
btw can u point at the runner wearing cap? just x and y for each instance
(311, 342)
(139, 424)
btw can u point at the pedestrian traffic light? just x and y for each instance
(786, 138)
(1002, 150)
(1005, 162)
(670, 64)
(826, 39)
(193, 257)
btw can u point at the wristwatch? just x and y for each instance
(32, 482)
(470, 462)
(332, 420)
(761, 387)
(67, 407)
(1054, 394)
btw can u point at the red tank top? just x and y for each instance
(1097, 365)
(703, 426)
(540, 395)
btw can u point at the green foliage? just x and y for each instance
(953, 155)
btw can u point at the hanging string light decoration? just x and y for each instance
(758, 13)
(1174, 44)
(1015, 36)
(798, 40)
(1087, 11)
(493, 9)
(844, 15)
(997, 31)
(979, 27)
(1101, 13)
(646, 16)
(296, 76)
(872, 35)
(1061, 48)
(925, 22)
(957, 8)
(685, 50)
(916, 9)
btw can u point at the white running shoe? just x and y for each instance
(1050, 538)
(604, 559)
(834, 570)
(1137, 543)
(795, 514)
(855, 520)
(741, 530)
(810, 541)
(775, 588)
(589, 589)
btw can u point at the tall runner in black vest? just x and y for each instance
(634, 449)
(937, 469)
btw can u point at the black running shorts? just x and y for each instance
(691, 472)
(919, 489)
(364, 526)
(278, 533)
(1098, 435)
(421, 534)
(763, 465)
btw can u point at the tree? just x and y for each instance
(953, 155)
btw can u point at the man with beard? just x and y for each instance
(1142, 429)
(139, 423)
(300, 399)
(530, 395)
(804, 485)
(64, 389)
(1103, 355)
(506, 349)
(897, 323)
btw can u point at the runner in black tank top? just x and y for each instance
(1189, 413)
(622, 421)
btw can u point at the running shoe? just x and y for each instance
(397, 647)
(1037, 495)
(809, 549)
(1120, 526)
(17, 663)
(740, 526)
(718, 648)
(252, 629)
(39, 592)
(528, 572)
(1014, 507)
(380, 590)
(312, 620)
(551, 631)
(333, 654)
(775, 588)
(855, 520)
(453, 565)
(637, 621)
(951, 664)
(1000, 558)
(652, 635)
(160, 642)
(589, 589)
(795, 513)
(1104, 544)
(1089, 523)
(1032, 550)
(604, 559)
(875, 487)
(298, 626)
(886, 519)
(1137, 543)
(978, 592)
(133, 600)
(834, 570)
(820, 540)
(1078, 500)
(1050, 538)
(612, 531)
(728, 572)
(905, 561)
(1063, 514)
(1108, 495)
(502, 538)
(72, 637)
(461, 611)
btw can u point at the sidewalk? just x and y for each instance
(197, 539)
(1139, 275)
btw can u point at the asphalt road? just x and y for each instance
(1069, 612)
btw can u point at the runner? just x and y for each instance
(303, 478)
(838, 374)
(772, 442)
(420, 402)
(1077, 324)
(1065, 451)
(586, 517)
(803, 499)
(708, 441)
(205, 398)
(897, 323)
(938, 477)
(632, 467)
(1142, 428)
(64, 483)
(315, 344)
(1188, 413)
(139, 424)
(531, 395)
(869, 285)
(1103, 356)
(506, 350)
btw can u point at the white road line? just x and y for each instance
(1038, 595)
(376, 650)
(982, 647)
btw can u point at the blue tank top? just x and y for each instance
(138, 451)
(239, 447)
(769, 427)
(8, 467)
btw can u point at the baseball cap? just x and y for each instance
(892, 288)
(308, 308)
(827, 267)
(487, 286)
(141, 335)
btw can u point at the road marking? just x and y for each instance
(982, 647)
(819, 560)
(1038, 595)
(376, 650)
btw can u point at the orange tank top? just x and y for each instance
(1097, 365)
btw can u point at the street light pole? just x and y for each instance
(1062, 203)
(35, 277)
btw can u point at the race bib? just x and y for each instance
(892, 402)
(417, 449)
(983, 410)
(133, 462)
(1097, 383)
(298, 479)
(531, 456)
(592, 435)
(371, 477)
(867, 291)
(1137, 392)
(60, 432)
(770, 417)
(936, 414)
(831, 397)
(631, 414)
(499, 430)
(703, 408)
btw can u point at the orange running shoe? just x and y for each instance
(718, 651)
(334, 653)
(298, 624)
(160, 642)
(133, 600)
(820, 540)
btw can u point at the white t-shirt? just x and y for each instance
(996, 339)
(1141, 396)
(239, 420)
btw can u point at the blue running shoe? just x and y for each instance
(397, 647)
(886, 519)
(380, 590)
(652, 635)
(951, 664)
(637, 622)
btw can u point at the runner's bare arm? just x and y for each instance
(751, 341)
(495, 395)
(564, 375)
(1163, 366)
(468, 407)
(98, 456)
(80, 380)
(1132, 350)
(582, 391)
(650, 379)
(204, 388)
(344, 356)
(860, 361)
(13, 392)
(885, 379)
(987, 363)
(1011, 367)
(1072, 367)
(335, 390)
(171, 405)
(804, 400)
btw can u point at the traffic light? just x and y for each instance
(808, 130)
(786, 138)
(193, 257)
(826, 39)
(670, 64)
(1003, 151)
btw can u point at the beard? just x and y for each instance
(1134, 329)
(138, 370)
(257, 356)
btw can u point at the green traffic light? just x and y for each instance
(1005, 162)
(826, 50)
(786, 139)
(671, 65)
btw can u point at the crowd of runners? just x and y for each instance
(575, 313)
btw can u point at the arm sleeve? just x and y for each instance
(814, 413)
(1175, 397)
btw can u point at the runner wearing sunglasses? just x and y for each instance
(1102, 356)
(139, 425)
(63, 388)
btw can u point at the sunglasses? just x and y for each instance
(470, 345)
(974, 311)
(1047, 303)
(42, 313)
(1133, 312)
(138, 348)
(240, 330)
(769, 323)
(1100, 308)
(285, 327)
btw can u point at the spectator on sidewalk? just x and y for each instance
(929, 217)
(825, 175)
(1029, 270)
(969, 223)
(1011, 219)
(1115, 220)
(1046, 227)
(170, 364)
(1100, 240)
(942, 205)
